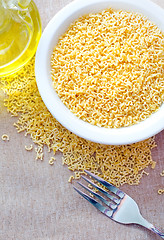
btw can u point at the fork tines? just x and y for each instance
(113, 196)
(114, 203)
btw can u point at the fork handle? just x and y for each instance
(157, 231)
(142, 221)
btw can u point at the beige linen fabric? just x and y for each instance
(38, 203)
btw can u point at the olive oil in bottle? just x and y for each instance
(20, 31)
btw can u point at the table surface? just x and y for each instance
(38, 203)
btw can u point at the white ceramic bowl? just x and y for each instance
(56, 27)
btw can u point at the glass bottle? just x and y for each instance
(20, 31)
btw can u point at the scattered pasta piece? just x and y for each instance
(51, 161)
(146, 173)
(39, 156)
(70, 179)
(28, 148)
(39, 149)
(5, 137)
(116, 164)
(162, 173)
(39, 153)
(160, 191)
(108, 68)
(153, 164)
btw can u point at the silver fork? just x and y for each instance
(120, 207)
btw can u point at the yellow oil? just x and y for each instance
(19, 37)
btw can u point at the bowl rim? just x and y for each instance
(124, 135)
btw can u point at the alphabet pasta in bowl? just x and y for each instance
(100, 69)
